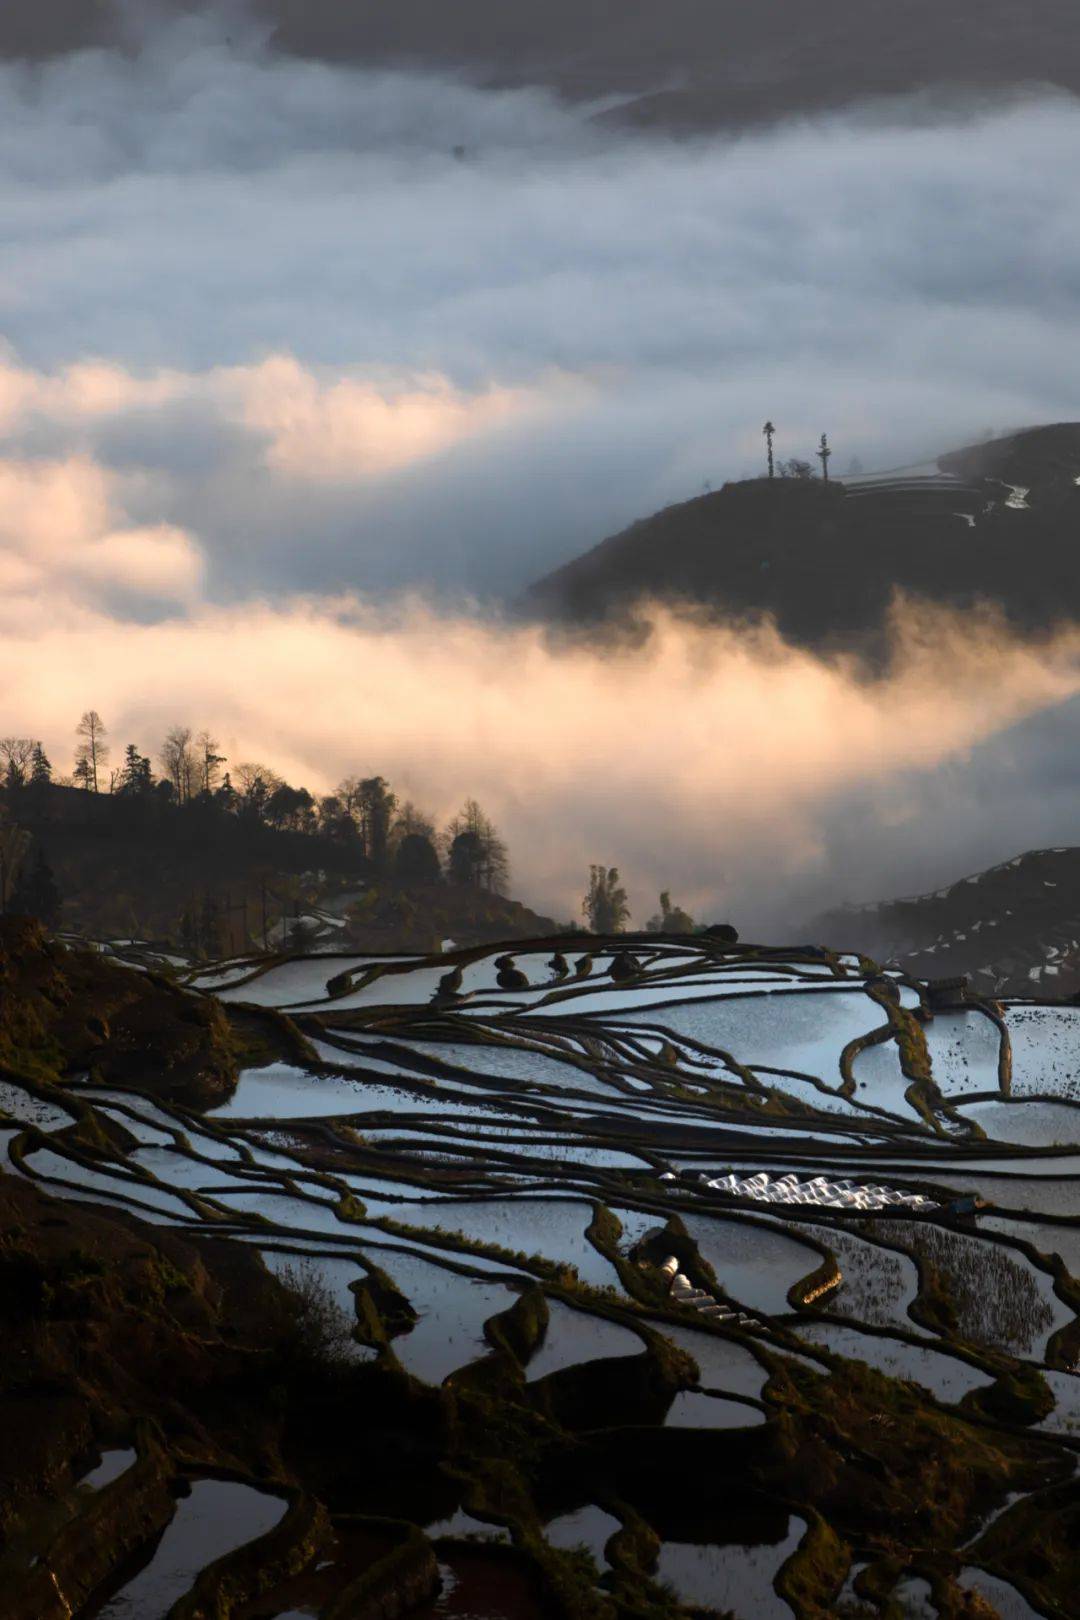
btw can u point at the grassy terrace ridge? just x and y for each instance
(162, 1331)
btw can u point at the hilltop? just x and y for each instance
(993, 522)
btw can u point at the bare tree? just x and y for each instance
(92, 752)
(210, 761)
(475, 853)
(16, 755)
(410, 822)
(178, 761)
(349, 794)
(255, 784)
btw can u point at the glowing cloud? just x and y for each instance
(718, 761)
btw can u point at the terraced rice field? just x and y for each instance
(794, 1132)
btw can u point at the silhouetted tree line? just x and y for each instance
(362, 816)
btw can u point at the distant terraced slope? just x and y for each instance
(1014, 928)
(991, 522)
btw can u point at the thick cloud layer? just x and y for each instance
(614, 317)
(275, 327)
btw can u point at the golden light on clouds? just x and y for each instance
(716, 751)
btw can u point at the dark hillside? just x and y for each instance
(1014, 928)
(998, 523)
(73, 1011)
(213, 882)
(129, 866)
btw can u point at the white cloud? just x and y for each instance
(59, 539)
(269, 334)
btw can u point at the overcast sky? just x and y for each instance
(276, 332)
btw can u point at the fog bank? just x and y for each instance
(749, 777)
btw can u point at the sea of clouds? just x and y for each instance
(284, 340)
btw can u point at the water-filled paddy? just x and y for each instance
(55, 1166)
(520, 1166)
(589, 1527)
(725, 1364)
(216, 1517)
(110, 1467)
(575, 1336)
(946, 1377)
(694, 1409)
(804, 1031)
(1007, 1602)
(451, 1313)
(752, 1264)
(1032, 1124)
(877, 1285)
(964, 1049)
(736, 1578)
(554, 1228)
(23, 1106)
(283, 1091)
(1045, 1051)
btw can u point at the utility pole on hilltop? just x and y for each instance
(823, 456)
(768, 431)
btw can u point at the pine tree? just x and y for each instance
(40, 768)
(136, 777)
